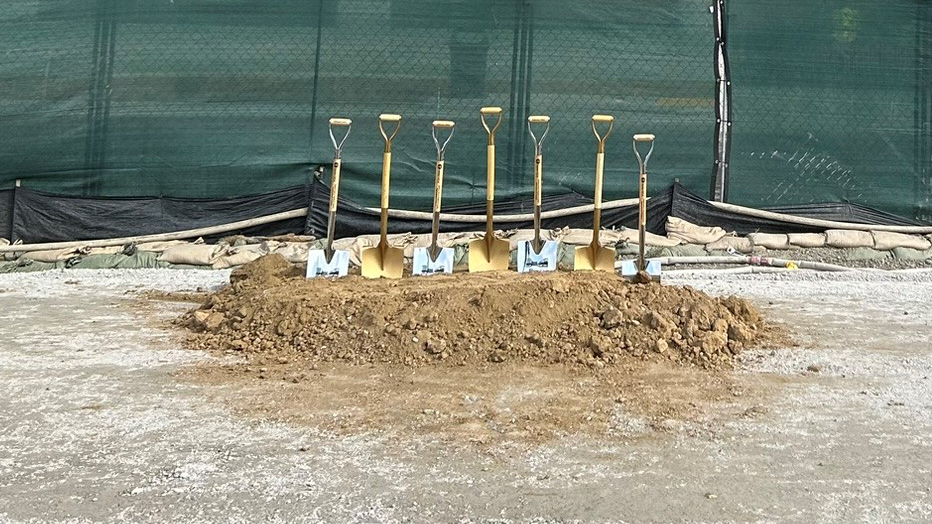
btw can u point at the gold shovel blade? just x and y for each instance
(374, 265)
(594, 259)
(481, 258)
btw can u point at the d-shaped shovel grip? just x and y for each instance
(340, 122)
(387, 155)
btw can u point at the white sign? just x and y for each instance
(317, 266)
(425, 266)
(531, 262)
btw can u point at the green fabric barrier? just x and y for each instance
(139, 260)
(29, 266)
(832, 102)
(211, 98)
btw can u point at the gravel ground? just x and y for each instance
(94, 427)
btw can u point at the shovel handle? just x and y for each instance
(386, 176)
(334, 198)
(335, 184)
(438, 186)
(597, 204)
(538, 179)
(538, 190)
(490, 173)
(599, 170)
(642, 200)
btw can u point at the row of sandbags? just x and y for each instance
(173, 254)
(238, 250)
(717, 239)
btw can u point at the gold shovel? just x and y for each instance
(489, 253)
(595, 257)
(384, 260)
(642, 195)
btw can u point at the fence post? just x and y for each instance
(923, 112)
(723, 123)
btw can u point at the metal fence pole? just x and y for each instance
(723, 123)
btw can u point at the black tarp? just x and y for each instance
(44, 217)
(6, 213)
(676, 201)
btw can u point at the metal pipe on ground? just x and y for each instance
(753, 261)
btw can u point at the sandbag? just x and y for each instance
(865, 254)
(650, 240)
(110, 250)
(682, 250)
(688, 233)
(142, 260)
(770, 240)
(26, 265)
(4, 242)
(236, 259)
(100, 261)
(848, 238)
(192, 254)
(294, 253)
(739, 244)
(911, 255)
(159, 247)
(807, 240)
(52, 256)
(887, 241)
(443, 240)
(526, 235)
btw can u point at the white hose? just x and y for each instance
(823, 224)
(161, 237)
(526, 217)
(753, 261)
(730, 271)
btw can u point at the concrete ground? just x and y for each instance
(94, 427)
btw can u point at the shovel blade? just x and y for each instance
(531, 262)
(629, 268)
(375, 264)
(594, 259)
(425, 266)
(317, 266)
(481, 258)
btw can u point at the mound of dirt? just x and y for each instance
(591, 319)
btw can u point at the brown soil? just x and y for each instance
(505, 403)
(591, 319)
(481, 358)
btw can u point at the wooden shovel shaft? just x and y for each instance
(642, 220)
(597, 211)
(438, 194)
(538, 190)
(490, 192)
(386, 182)
(334, 198)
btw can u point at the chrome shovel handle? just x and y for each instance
(340, 122)
(642, 162)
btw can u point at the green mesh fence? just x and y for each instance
(831, 102)
(208, 98)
